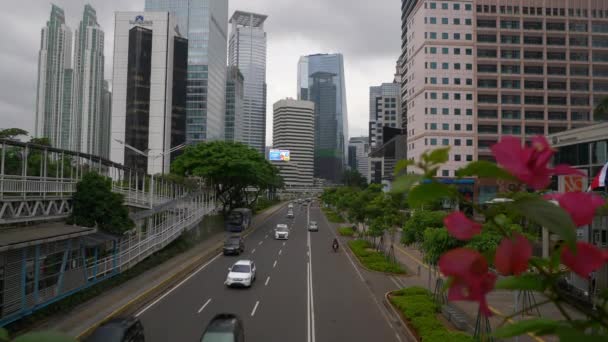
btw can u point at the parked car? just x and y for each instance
(281, 232)
(313, 227)
(242, 273)
(127, 329)
(234, 245)
(224, 328)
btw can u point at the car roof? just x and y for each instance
(281, 225)
(243, 262)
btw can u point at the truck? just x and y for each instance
(238, 220)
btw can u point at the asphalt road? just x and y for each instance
(304, 292)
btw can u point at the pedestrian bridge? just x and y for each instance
(42, 259)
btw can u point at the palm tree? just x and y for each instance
(600, 113)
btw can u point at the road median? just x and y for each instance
(373, 260)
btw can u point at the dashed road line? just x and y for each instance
(204, 305)
(253, 251)
(267, 280)
(259, 243)
(280, 251)
(255, 308)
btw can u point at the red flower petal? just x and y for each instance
(512, 255)
(460, 226)
(580, 205)
(587, 259)
(563, 169)
(510, 154)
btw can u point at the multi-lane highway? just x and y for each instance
(303, 292)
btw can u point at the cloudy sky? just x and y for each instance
(368, 34)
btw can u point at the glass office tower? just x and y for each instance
(205, 24)
(321, 80)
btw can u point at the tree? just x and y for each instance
(96, 204)
(600, 113)
(238, 173)
(12, 133)
(354, 178)
(414, 228)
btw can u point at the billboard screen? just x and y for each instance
(278, 155)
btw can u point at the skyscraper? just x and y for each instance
(106, 120)
(87, 87)
(205, 24)
(293, 130)
(149, 90)
(384, 111)
(321, 80)
(234, 103)
(53, 96)
(360, 159)
(247, 51)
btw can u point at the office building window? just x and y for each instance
(468, 7)
(457, 51)
(433, 142)
(445, 35)
(433, 80)
(433, 111)
(456, 6)
(469, 127)
(433, 35)
(457, 157)
(468, 36)
(433, 20)
(456, 142)
(456, 36)
(469, 142)
(457, 81)
(445, 111)
(457, 127)
(445, 66)
(469, 157)
(469, 111)
(469, 81)
(469, 52)
(444, 21)
(445, 142)
(468, 22)
(456, 66)
(445, 173)
(433, 5)
(444, 6)
(433, 50)
(457, 96)
(433, 65)
(469, 66)
(433, 126)
(433, 96)
(445, 127)
(469, 97)
(445, 96)
(457, 110)
(445, 80)
(456, 21)
(445, 50)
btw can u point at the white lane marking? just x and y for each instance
(260, 242)
(396, 283)
(266, 237)
(267, 280)
(176, 286)
(255, 308)
(280, 251)
(283, 243)
(204, 305)
(311, 296)
(253, 251)
(275, 264)
(398, 338)
(308, 301)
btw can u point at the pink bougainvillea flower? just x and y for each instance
(580, 205)
(530, 163)
(512, 255)
(587, 258)
(471, 279)
(460, 226)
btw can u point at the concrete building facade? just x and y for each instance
(384, 111)
(247, 52)
(293, 130)
(360, 150)
(234, 104)
(149, 90)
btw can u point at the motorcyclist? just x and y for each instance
(335, 244)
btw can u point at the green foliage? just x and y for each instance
(12, 133)
(526, 326)
(232, 168)
(547, 215)
(354, 178)
(332, 216)
(95, 204)
(413, 231)
(401, 166)
(44, 336)
(435, 242)
(372, 259)
(600, 113)
(427, 193)
(529, 281)
(40, 141)
(346, 231)
(405, 183)
(484, 169)
(3, 335)
(419, 308)
(264, 203)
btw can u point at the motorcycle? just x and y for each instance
(335, 246)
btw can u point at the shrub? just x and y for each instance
(413, 230)
(346, 231)
(372, 259)
(332, 216)
(420, 310)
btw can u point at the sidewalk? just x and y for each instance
(125, 298)
(502, 303)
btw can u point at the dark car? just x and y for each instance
(234, 245)
(224, 328)
(119, 330)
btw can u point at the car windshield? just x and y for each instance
(235, 218)
(282, 229)
(110, 332)
(218, 336)
(241, 268)
(232, 241)
(313, 223)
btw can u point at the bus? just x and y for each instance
(238, 220)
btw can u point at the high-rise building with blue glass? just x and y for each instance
(205, 24)
(321, 80)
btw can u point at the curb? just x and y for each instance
(405, 274)
(191, 266)
(404, 324)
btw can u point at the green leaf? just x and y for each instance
(44, 336)
(484, 169)
(3, 335)
(532, 282)
(402, 166)
(548, 215)
(428, 192)
(405, 183)
(524, 327)
(571, 334)
(439, 156)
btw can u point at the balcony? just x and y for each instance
(554, 70)
(534, 100)
(533, 25)
(580, 57)
(600, 72)
(535, 130)
(534, 85)
(579, 116)
(487, 129)
(556, 56)
(486, 38)
(487, 114)
(485, 143)
(579, 100)
(556, 26)
(558, 116)
(511, 99)
(557, 129)
(511, 114)
(533, 55)
(578, 27)
(533, 70)
(506, 39)
(600, 86)
(509, 24)
(532, 40)
(599, 27)
(510, 129)
(487, 68)
(579, 86)
(557, 100)
(556, 41)
(579, 71)
(481, 83)
(510, 84)
(579, 41)
(600, 56)
(486, 23)
(599, 42)
(510, 54)
(486, 53)
(481, 98)
(510, 69)
(535, 115)
(557, 86)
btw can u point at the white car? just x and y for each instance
(290, 206)
(313, 227)
(290, 213)
(281, 232)
(242, 273)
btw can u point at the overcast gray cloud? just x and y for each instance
(367, 33)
